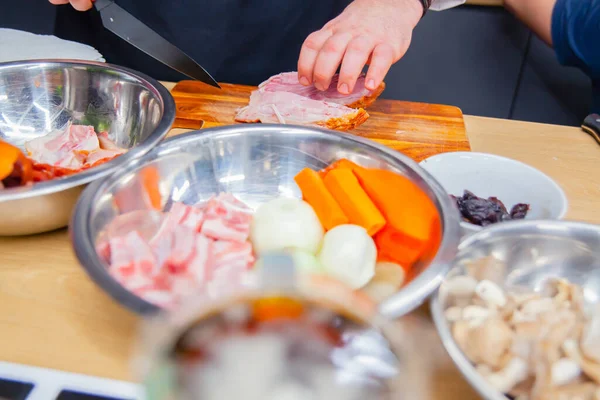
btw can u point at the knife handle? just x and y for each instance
(591, 125)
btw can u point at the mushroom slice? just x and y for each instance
(490, 341)
(590, 341)
(491, 294)
(458, 288)
(511, 375)
(590, 368)
(564, 371)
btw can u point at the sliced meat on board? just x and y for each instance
(290, 108)
(282, 99)
(361, 97)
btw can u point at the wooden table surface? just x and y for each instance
(52, 315)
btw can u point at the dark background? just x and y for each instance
(477, 58)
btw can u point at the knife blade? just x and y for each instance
(591, 125)
(136, 33)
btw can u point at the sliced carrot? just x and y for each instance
(394, 245)
(342, 163)
(345, 189)
(150, 179)
(413, 231)
(316, 194)
(9, 155)
(404, 205)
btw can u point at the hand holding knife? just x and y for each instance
(132, 30)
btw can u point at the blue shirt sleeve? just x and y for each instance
(576, 38)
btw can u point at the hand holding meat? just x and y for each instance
(375, 32)
(79, 5)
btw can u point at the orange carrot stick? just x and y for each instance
(403, 204)
(342, 163)
(353, 200)
(413, 230)
(316, 194)
(150, 179)
(394, 245)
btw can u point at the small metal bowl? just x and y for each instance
(255, 162)
(525, 254)
(37, 97)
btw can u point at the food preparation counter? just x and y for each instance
(52, 315)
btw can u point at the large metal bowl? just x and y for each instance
(255, 163)
(523, 254)
(39, 96)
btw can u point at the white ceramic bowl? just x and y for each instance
(489, 175)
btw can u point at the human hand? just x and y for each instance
(79, 5)
(368, 32)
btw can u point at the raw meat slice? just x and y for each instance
(228, 253)
(291, 108)
(107, 144)
(144, 260)
(201, 265)
(194, 219)
(100, 156)
(361, 97)
(182, 249)
(58, 147)
(227, 218)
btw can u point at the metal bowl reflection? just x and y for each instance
(37, 97)
(256, 163)
(523, 254)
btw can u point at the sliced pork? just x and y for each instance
(282, 99)
(195, 248)
(291, 108)
(75, 148)
(361, 97)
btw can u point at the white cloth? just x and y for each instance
(18, 45)
(439, 5)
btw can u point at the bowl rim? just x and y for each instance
(460, 360)
(564, 201)
(413, 294)
(167, 104)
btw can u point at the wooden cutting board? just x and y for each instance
(418, 130)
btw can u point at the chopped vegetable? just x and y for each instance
(389, 277)
(316, 194)
(397, 246)
(403, 204)
(349, 254)
(284, 223)
(413, 225)
(342, 163)
(353, 200)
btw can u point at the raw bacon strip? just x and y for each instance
(182, 250)
(201, 266)
(233, 252)
(227, 219)
(57, 148)
(194, 219)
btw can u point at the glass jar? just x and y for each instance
(275, 335)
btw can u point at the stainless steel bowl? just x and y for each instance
(524, 254)
(255, 163)
(39, 96)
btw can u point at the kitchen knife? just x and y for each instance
(591, 125)
(129, 28)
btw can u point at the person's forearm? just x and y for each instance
(536, 14)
